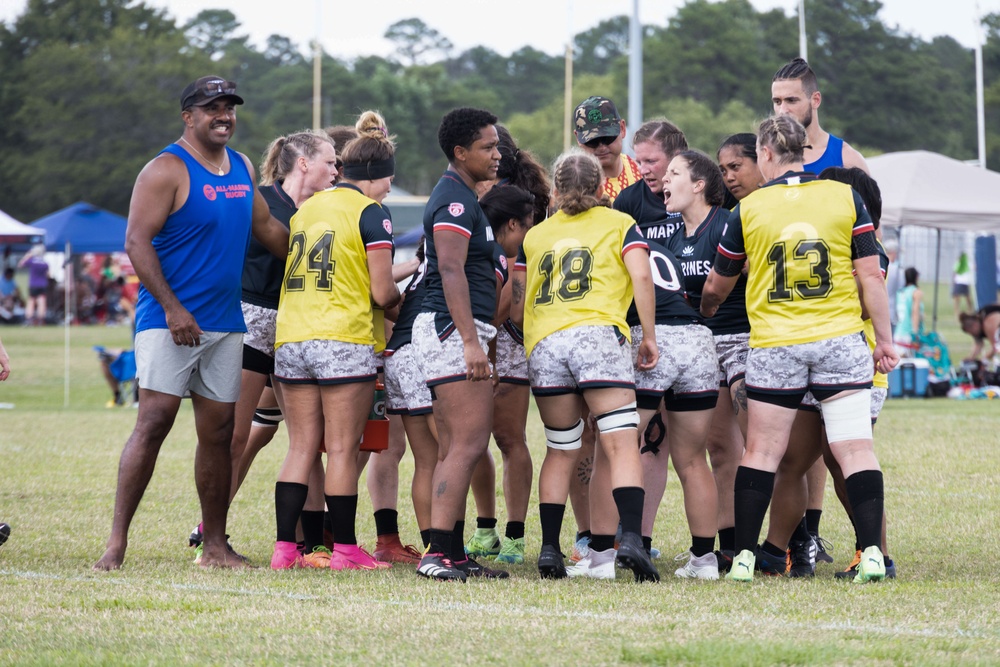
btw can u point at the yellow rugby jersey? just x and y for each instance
(325, 294)
(575, 272)
(630, 174)
(796, 234)
(879, 379)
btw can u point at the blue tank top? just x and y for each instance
(202, 246)
(833, 156)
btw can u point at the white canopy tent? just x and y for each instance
(932, 190)
(927, 189)
(12, 231)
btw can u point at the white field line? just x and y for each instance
(522, 612)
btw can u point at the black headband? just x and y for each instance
(371, 171)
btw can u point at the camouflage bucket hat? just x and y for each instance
(596, 117)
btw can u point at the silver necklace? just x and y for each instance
(218, 167)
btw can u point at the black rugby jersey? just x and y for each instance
(671, 305)
(696, 254)
(453, 207)
(262, 271)
(413, 299)
(648, 211)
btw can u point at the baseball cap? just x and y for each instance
(206, 89)
(596, 117)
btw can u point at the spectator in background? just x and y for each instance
(10, 296)
(38, 285)
(909, 313)
(961, 284)
(892, 277)
(600, 131)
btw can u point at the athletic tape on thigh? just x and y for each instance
(267, 417)
(848, 417)
(565, 439)
(617, 420)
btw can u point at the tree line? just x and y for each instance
(90, 91)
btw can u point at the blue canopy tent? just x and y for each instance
(80, 228)
(83, 227)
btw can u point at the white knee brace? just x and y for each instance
(848, 417)
(565, 439)
(623, 418)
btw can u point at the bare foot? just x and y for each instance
(111, 560)
(223, 558)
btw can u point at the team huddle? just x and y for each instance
(729, 314)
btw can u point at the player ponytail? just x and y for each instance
(280, 156)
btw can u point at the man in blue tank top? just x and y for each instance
(794, 92)
(193, 209)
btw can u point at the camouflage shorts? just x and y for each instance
(824, 366)
(732, 350)
(324, 362)
(512, 364)
(585, 357)
(261, 328)
(439, 348)
(687, 362)
(405, 387)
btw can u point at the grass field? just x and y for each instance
(57, 482)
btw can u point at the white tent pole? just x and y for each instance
(67, 317)
(937, 279)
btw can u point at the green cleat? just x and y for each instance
(485, 542)
(871, 567)
(511, 550)
(742, 567)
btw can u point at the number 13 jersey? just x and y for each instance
(575, 272)
(797, 234)
(325, 294)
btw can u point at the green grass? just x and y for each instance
(57, 482)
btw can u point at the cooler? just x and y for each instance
(909, 378)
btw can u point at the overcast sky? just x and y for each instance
(352, 28)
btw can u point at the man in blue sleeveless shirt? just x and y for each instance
(794, 92)
(193, 209)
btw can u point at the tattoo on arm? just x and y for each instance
(517, 291)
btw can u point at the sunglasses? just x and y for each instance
(217, 87)
(601, 141)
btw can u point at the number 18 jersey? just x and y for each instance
(326, 292)
(575, 272)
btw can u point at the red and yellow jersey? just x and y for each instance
(629, 174)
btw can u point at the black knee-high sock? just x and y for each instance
(515, 530)
(753, 490)
(866, 493)
(289, 499)
(386, 522)
(629, 500)
(727, 539)
(551, 515)
(812, 521)
(312, 529)
(343, 512)
(458, 542)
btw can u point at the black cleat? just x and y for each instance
(4, 532)
(474, 570)
(436, 566)
(769, 565)
(802, 555)
(550, 563)
(632, 555)
(823, 547)
(725, 559)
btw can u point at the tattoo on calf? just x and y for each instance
(442, 488)
(585, 470)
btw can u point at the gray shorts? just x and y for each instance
(687, 375)
(211, 369)
(405, 387)
(782, 375)
(578, 358)
(441, 353)
(324, 362)
(260, 327)
(732, 350)
(512, 364)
